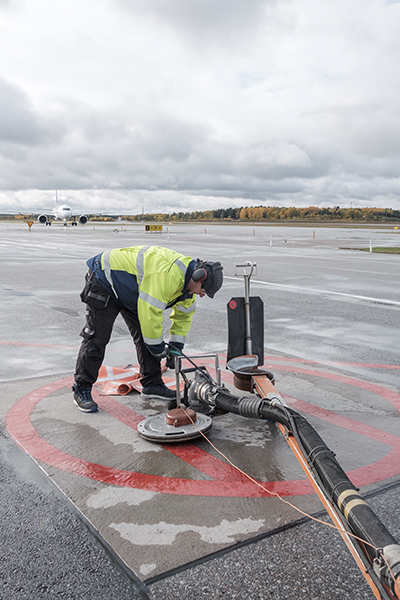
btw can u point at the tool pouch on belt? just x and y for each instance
(96, 297)
(94, 294)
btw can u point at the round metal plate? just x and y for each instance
(244, 368)
(156, 429)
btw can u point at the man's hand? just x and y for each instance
(170, 361)
(173, 351)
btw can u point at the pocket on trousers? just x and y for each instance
(94, 294)
(90, 328)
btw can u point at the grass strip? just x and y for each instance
(379, 249)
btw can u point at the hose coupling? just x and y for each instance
(387, 567)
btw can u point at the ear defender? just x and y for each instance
(199, 275)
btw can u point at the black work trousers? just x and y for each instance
(101, 312)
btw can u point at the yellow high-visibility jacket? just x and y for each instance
(148, 280)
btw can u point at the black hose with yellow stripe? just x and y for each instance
(336, 485)
(381, 546)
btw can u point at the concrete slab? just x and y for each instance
(163, 506)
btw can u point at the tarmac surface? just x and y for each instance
(92, 510)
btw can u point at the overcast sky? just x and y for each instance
(196, 104)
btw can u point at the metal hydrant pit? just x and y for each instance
(244, 368)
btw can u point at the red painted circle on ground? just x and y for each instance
(226, 481)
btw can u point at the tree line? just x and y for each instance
(275, 213)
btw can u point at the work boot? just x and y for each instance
(158, 392)
(83, 398)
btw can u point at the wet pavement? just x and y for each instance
(179, 519)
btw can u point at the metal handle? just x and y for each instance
(247, 276)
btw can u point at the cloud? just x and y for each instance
(19, 123)
(192, 103)
(205, 22)
(152, 153)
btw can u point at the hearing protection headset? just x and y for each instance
(200, 273)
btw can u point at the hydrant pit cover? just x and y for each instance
(156, 429)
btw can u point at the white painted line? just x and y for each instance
(314, 291)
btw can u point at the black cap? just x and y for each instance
(212, 283)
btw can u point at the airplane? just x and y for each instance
(62, 212)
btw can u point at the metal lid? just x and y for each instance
(178, 417)
(156, 429)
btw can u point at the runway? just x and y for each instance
(181, 519)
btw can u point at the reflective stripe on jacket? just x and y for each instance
(147, 280)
